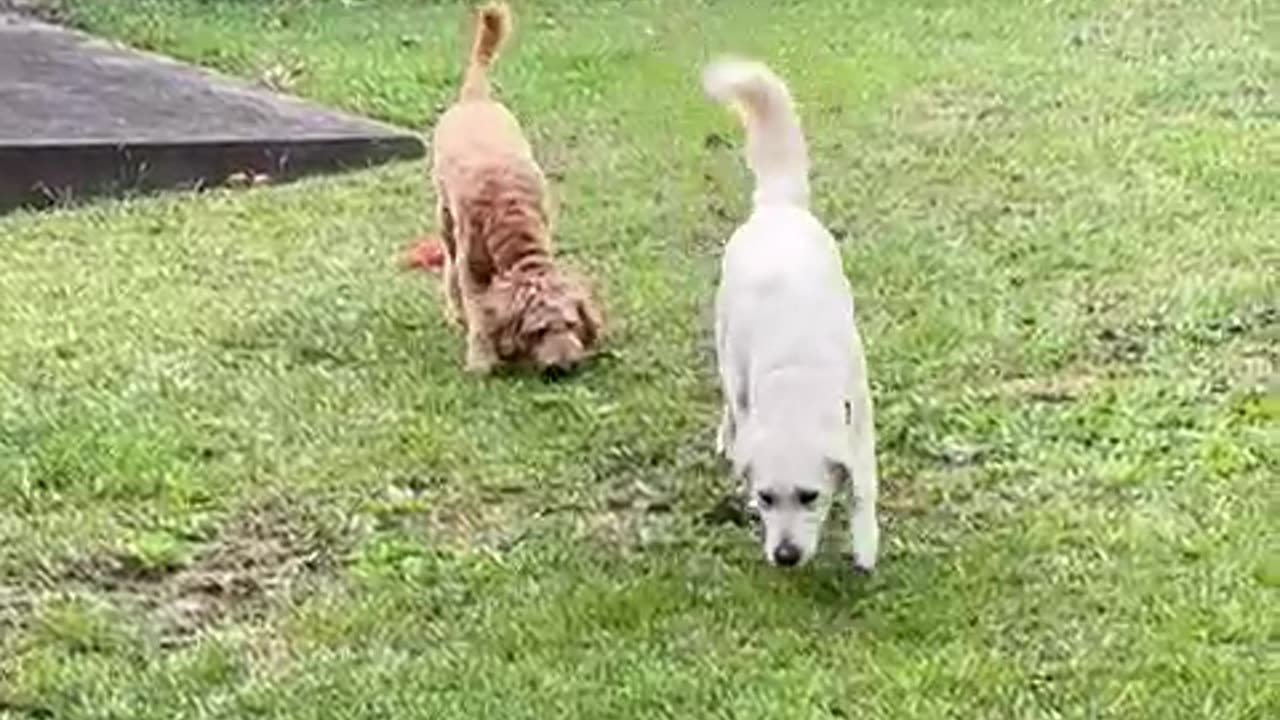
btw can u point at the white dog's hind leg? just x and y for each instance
(864, 523)
(726, 432)
(732, 417)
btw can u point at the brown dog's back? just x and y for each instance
(485, 166)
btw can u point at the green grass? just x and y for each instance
(242, 474)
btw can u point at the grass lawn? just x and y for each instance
(242, 474)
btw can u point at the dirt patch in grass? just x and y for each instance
(14, 605)
(945, 110)
(267, 550)
(1132, 342)
(1055, 389)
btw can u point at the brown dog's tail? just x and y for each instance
(493, 25)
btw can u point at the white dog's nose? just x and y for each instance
(786, 554)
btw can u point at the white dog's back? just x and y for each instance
(781, 270)
(797, 417)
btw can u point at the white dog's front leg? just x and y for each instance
(864, 523)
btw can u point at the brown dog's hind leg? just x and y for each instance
(448, 237)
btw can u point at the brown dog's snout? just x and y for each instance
(559, 352)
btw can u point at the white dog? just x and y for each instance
(797, 422)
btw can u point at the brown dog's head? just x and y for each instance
(544, 317)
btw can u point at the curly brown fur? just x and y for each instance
(542, 315)
(501, 281)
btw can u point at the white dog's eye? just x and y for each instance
(806, 497)
(766, 499)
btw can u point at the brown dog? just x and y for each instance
(501, 282)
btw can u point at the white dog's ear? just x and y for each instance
(838, 471)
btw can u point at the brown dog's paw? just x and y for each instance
(480, 363)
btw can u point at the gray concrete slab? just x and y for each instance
(81, 117)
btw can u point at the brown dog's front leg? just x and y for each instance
(481, 356)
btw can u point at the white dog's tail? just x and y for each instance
(776, 148)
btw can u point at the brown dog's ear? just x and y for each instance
(502, 316)
(592, 320)
(590, 317)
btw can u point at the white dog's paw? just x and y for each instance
(866, 547)
(864, 566)
(864, 531)
(866, 542)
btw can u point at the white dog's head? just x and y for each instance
(791, 482)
